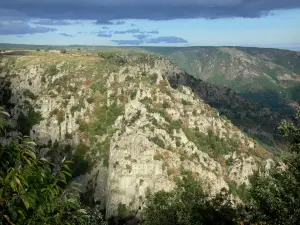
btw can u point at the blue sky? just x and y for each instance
(220, 24)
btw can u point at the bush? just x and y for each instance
(29, 94)
(158, 141)
(190, 204)
(80, 165)
(27, 121)
(153, 77)
(133, 94)
(31, 188)
(174, 125)
(275, 195)
(51, 70)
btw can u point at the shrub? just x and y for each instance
(190, 204)
(133, 94)
(51, 70)
(27, 121)
(29, 94)
(32, 189)
(153, 77)
(158, 141)
(80, 164)
(175, 125)
(165, 105)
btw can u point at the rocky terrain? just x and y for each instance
(131, 122)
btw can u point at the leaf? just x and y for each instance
(4, 113)
(27, 160)
(67, 173)
(18, 181)
(21, 213)
(10, 172)
(83, 211)
(31, 153)
(25, 201)
(43, 159)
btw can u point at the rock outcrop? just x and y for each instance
(119, 116)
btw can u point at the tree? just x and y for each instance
(189, 204)
(31, 188)
(276, 196)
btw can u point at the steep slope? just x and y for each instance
(267, 76)
(124, 126)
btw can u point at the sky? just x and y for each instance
(261, 23)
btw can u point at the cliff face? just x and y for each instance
(123, 124)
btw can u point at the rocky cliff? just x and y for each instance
(122, 123)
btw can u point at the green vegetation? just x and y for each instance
(28, 119)
(99, 86)
(133, 94)
(29, 94)
(153, 78)
(80, 165)
(31, 190)
(189, 204)
(211, 143)
(272, 198)
(174, 125)
(275, 197)
(106, 116)
(51, 71)
(157, 140)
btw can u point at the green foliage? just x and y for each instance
(153, 77)
(211, 143)
(106, 116)
(239, 190)
(99, 86)
(189, 204)
(122, 210)
(29, 94)
(27, 121)
(157, 140)
(275, 197)
(78, 107)
(165, 104)
(133, 94)
(51, 70)
(80, 165)
(175, 125)
(31, 188)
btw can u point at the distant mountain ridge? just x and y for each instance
(265, 75)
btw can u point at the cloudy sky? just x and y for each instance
(265, 23)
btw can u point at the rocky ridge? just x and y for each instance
(128, 128)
